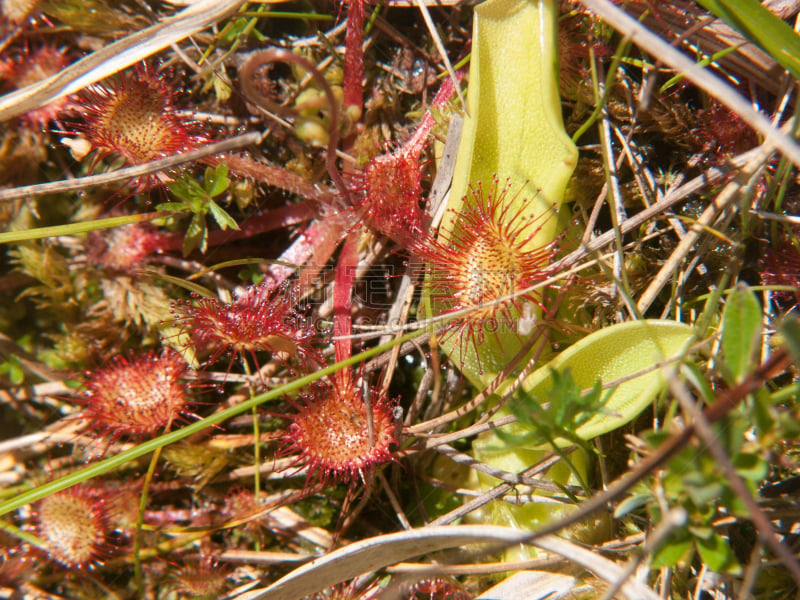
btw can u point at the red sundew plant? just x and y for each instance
(123, 248)
(32, 66)
(339, 433)
(132, 117)
(75, 527)
(201, 579)
(136, 396)
(263, 319)
(721, 133)
(391, 184)
(330, 433)
(392, 193)
(484, 263)
(436, 588)
(16, 11)
(781, 267)
(15, 562)
(241, 504)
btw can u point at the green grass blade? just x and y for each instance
(11, 237)
(759, 25)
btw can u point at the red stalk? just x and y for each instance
(354, 55)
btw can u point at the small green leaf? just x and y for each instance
(716, 553)
(216, 180)
(790, 329)
(631, 504)
(741, 331)
(751, 467)
(13, 370)
(675, 549)
(702, 488)
(223, 219)
(196, 235)
(187, 189)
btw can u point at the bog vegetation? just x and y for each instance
(399, 299)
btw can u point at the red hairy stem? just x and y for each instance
(274, 175)
(416, 142)
(342, 304)
(312, 249)
(269, 220)
(354, 55)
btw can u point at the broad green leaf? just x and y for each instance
(790, 329)
(741, 331)
(751, 467)
(611, 354)
(632, 504)
(514, 132)
(758, 24)
(629, 353)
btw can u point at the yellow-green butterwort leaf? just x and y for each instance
(514, 134)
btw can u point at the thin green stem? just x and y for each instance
(38, 233)
(23, 535)
(137, 535)
(256, 443)
(608, 85)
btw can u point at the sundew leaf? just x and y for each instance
(514, 132)
(741, 331)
